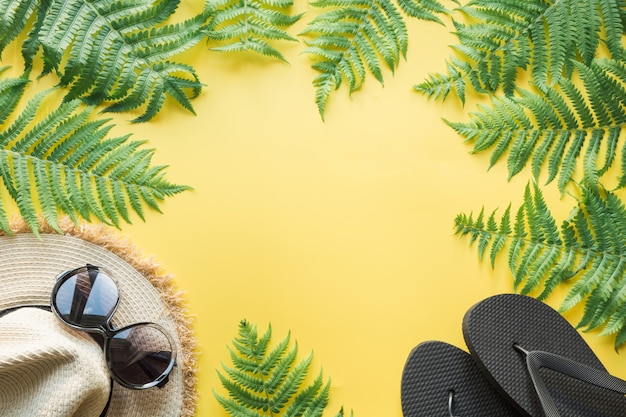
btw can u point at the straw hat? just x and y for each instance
(48, 369)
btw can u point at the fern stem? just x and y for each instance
(580, 130)
(246, 25)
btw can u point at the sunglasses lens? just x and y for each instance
(140, 355)
(87, 298)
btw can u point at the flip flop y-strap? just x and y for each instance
(570, 378)
(537, 359)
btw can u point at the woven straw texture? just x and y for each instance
(494, 325)
(433, 370)
(48, 370)
(27, 274)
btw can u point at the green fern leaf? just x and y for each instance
(350, 36)
(65, 165)
(251, 25)
(500, 237)
(485, 237)
(439, 85)
(587, 250)
(11, 91)
(271, 360)
(22, 186)
(556, 128)
(423, 9)
(284, 384)
(246, 380)
(506, 36)
(112, 52)
(4, 224)
(318, 404)
(14, 16)
(264, 383)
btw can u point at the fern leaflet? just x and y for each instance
(508, 36)
(66, 164)
(116, 52)
(555, 128)
(349, 39)
(11, 91)
(269, 382)
(423, 9)
(251, 25)
(588, 251)
(13, 18)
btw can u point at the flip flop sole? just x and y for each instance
(435, 369)
(493, 326)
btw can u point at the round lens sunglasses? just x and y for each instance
(139, 356)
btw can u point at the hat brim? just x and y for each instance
(28, 270)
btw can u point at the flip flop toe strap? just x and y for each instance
(538, 359)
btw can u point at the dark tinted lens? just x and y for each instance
(87, 298)
(140, 355)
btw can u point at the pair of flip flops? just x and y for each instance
(525, 360)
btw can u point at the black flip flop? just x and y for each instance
(539, 362)
(441, 380)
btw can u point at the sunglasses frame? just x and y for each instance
(108, 332)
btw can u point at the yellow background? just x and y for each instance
(338, 231)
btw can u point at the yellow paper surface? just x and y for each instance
(338, 231)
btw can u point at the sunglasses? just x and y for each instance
(138, 356)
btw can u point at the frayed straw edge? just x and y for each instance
(109, 239)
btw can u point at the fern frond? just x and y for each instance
(263, 382)
(65, 164)
(350, 36)
(115, 52)
(507, 36)
(251, 25)
(587, 250)
(553, 129)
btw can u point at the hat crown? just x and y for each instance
(48, 369)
